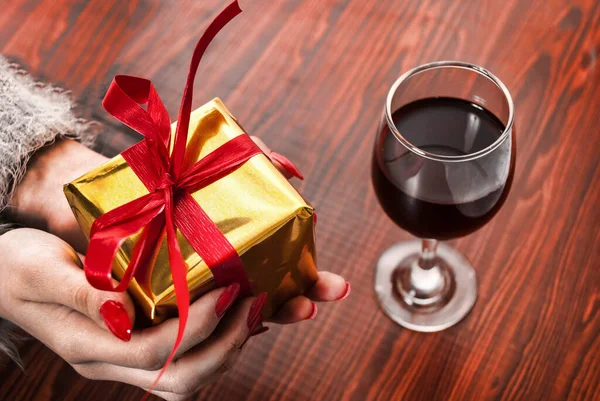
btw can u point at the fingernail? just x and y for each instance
(315, 216)
(226, 299)
(257, 330)
(287, 165)
(314, 312)
(260, 330)
(346, 293)
(255, 314)
(116, 319)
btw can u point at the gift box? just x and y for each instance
(259, 212)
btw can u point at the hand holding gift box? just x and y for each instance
(190, 209)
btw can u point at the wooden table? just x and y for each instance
(310, 78)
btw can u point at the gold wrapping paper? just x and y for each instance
(269, 224)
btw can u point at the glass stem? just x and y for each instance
(428, 258)
(427, 281)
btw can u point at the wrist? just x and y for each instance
(39, 201)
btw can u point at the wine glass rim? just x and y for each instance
(445, 158)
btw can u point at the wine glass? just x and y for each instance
(442, 167)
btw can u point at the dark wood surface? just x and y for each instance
(310, 78)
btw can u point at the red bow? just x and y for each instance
(169, 204)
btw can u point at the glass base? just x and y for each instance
(425, 300)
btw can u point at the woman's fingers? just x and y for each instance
(65, 283)
(78, 340)
(285, 164)
(170, 396)
(282, 163)
(50, 272)
(295, 310)
(204, 316)
(329, 287)
(199, 366)
(71, 335)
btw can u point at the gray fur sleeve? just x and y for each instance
(32, 115)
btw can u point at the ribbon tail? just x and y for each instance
(183, 119)
(150, 243)
(209, 242)
(179, 274)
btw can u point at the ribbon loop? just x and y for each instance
(122, 101)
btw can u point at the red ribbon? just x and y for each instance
(169, 205)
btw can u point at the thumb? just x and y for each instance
(116, 311)
(111, 310)
(60, 279)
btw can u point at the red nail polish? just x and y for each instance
(287, 164)
(346, 293)
(259, 331)
(314, 312)
(255, 314)
(116, 319)
(315, 216)
(226, 299)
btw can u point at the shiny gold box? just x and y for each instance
(269, 224)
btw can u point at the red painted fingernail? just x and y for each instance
(346, 293)
(314, 312)
(315, 216)
(255, 314)
(226, 299)
(116, 319)
(258, 331)
(287, 165)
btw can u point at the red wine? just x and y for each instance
(441, 200)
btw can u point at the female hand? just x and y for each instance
(40, 202)
(44, 291)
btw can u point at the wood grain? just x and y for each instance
(310, 78)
